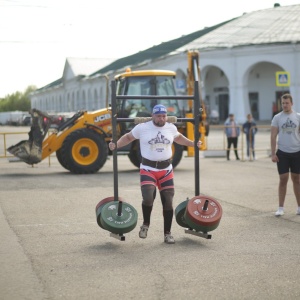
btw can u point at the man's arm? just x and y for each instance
(274, 133)
(182, 140)
(123, 141)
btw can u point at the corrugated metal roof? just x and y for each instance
(157, 51)
(52, 84)
(80, 67)
(270, 26)
(148, 54)
(86, 66)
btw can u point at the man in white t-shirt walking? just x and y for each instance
(156, 139)
(286, 125)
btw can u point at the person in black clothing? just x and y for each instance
(250, 129)
(232, 131)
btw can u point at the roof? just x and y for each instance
(157, 51)
(80, 67)
(276, 25)
(50, 85)
(86, 66)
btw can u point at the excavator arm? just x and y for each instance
(193, 74)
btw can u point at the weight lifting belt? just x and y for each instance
(156, 164)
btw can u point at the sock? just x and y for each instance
(168, 216)
(281, 208)
(146, 214)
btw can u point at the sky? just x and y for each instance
(36, 36)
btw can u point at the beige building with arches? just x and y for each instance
(239, 61)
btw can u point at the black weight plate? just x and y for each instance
(111, 221)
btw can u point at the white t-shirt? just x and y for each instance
(155, 142)
(288, 131)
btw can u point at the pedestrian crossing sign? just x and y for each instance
(282, 78)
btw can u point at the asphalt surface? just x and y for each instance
(52, 248)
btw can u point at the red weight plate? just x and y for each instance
(105, 200)
(195, 211)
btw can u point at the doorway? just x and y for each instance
(254, 105)
(223, 101)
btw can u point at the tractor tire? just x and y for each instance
(135, 154)
(84, 151)
(136, 157)
(177, 154)
(60, 160)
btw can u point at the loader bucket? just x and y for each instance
(30, 151)
(27, 152)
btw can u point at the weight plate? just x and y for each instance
(179, 214)
(100, 205)
(111, 221)
(200, 228)
(203, 213)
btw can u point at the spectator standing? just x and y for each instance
(286, 127)
(232, 131)
(250, 129)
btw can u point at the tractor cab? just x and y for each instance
(143, 83)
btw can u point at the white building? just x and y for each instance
(239, 61)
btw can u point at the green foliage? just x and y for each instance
(17, 101)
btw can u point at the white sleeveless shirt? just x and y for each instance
(155, 142)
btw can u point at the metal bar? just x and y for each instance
(150, 97)
(205, 205)
(119, 237)
(178, 120)
(197, 113)
(114, 140)
(197, 233)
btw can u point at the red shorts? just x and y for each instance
(163, 179)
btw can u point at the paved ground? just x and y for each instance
(52, 248)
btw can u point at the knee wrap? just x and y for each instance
(148, 194)
(167, 198)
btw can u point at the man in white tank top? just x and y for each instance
(156, 171)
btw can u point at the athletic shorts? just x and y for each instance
(288, 162)
(163, 179)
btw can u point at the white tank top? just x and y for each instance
(155, 142)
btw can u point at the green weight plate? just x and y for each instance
(179, 214)
(111, 221)
(99, 208)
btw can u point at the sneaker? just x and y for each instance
(169, 239)
(279, 212)
(143, 231)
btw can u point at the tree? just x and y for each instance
(17, 101)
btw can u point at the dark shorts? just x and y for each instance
(288, 162)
